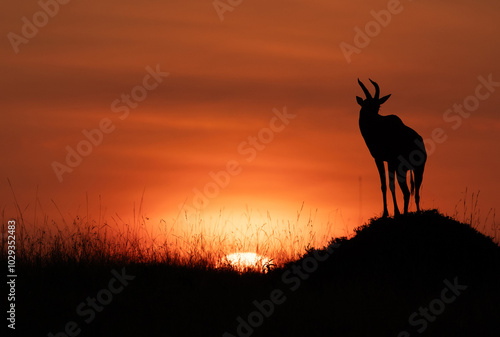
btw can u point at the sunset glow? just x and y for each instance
(241, 124)
(237, 167)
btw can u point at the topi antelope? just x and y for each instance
(390, 140)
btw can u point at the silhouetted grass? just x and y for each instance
(368, 286)
(468, 211)
(189, 240)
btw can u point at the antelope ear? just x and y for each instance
(359, 100)
(383, 99)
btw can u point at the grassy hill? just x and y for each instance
(421, 274)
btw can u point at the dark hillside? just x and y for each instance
(416, 275)
(374, 282)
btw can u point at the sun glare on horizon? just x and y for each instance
(243, 261)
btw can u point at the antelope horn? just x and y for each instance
(377, 90)
(367, 93)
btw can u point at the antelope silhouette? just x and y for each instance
(390, 140)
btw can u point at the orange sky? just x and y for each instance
(225, 78)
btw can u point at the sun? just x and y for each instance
(246, 261)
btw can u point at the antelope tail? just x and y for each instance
(412, 183)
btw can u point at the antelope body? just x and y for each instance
(390, 140)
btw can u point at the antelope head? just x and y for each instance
(371, 104)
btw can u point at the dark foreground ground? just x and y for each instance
(417, 275)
